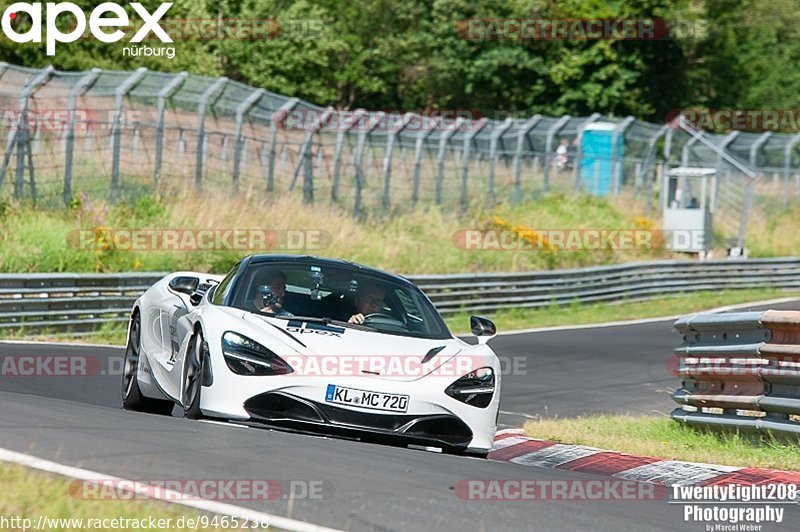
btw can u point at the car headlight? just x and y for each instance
(475, 388)
(246, 357)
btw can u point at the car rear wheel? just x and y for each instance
(193, 368)
(132, 398)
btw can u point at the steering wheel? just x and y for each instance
(383, 319)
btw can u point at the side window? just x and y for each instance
(408, 305)
(221, 291)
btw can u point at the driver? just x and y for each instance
(270, 293)
(369, 301)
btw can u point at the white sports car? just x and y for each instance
(312, 344)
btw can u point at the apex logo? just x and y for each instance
(106, 15)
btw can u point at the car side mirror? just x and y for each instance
(483, 328)
(184, 284)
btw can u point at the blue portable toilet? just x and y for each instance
(597, 169)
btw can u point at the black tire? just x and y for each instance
(132, 398)
(193, 369)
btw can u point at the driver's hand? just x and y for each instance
(356, 318)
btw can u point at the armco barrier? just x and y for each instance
(740, 371)
(80, 302)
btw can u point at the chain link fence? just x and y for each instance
(108, 132)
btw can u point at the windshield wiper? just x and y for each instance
(329, 321)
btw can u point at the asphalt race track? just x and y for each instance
(79, 421)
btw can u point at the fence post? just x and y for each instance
(667, 155)
(521, 136)
(579, 148)
(163, 94)
(723, 145)
(686, 147)
(615, 158)
(202, 105)
(116, 126)
(418, 145)
(787, 164)
(757, 146)
(277, 117)
(748, 202)
(243, 107)
(372, 123)
(337, 156)
(77, 90)
(305, 153)
(387, 160)
(19, 135)
(468, 137)
(444, 138)
(548, 147)
(649, 160)
(496, 134)
(23, 141)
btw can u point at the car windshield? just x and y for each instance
(349, 295)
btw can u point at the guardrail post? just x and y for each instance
(18, 137)
(116, 126)
(419, 144)
(616, 172)
(202, 105)
(444, 138)
(521, 137)
(80, 88)
(498, 132)
(373, 122)
(387, 159)
(548, 147)
(468, 137)
(337, 157)
(163, 94)
(237, 146)
(579, 148)
(277, 117)
(304, 158)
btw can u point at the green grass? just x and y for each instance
(576, 314)
(418, 241)
(30, 494)
(664, 438)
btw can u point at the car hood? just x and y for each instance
(333, 350)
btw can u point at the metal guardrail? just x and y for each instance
(740, 371)
(61, 302)
(81, 302)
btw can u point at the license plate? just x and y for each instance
(391, 402)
